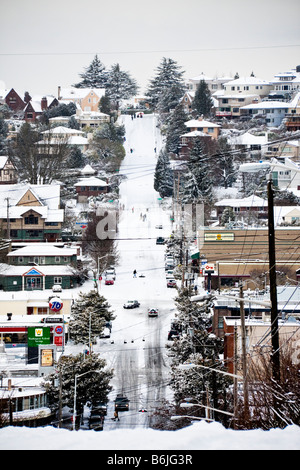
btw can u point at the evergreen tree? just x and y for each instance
(163, 176)
(202, 102)
(175, 129)
(92, 387)
(120, 86)
(199, 165)
(89, 315)
(3, 136)
(94, 75)
(225, 170)
(105, 105)
(167, 87)
(191, 193)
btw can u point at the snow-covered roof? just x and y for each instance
(80, 93)
(46, 270)
(249, 139)
(248, 81)
(198, 123)
(251, 201)
(87, 170)
(61, 130)
(3, 161)
(93, 181)
(43, 249)
(268, 105)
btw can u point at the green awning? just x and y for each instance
(196, 255)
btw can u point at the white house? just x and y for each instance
(273, 112)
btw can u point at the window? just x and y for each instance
(57, 280)
(31, 220)
(57, 259)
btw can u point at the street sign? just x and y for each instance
(36, 336)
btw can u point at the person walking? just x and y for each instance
(134, 273)
(116, 415)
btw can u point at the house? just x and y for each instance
(240, 206)
(12, 99)
(43, 254)
(37, 105)
(59, 134)
(31, 212)
(88, 187)
(209, 128)
(250, 143)
(87, 98)
(8, 173)
(285, 175)
(214, 84)
(292, 117)
(15, 278)
(240, 92)
(285, 84)
(272, 112)
(187, 142)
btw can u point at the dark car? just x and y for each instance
(160, 241)
(131, 304)
(173, 334)
(121, 403)
(96, 420)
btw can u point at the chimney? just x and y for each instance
(58, 93)
(44, 104)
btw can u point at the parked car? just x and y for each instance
(160, 241)
(171, 283)
(109, 281)
(173, 334)
(159, 226)
(131, 304)
(152, 312)
(56, 288)
(96, 420)
(121, 403)
(105, 333)
(170, 274)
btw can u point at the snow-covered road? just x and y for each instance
(138, 354)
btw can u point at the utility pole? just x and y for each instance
(244, 356)
(273, 288)
(7, 218)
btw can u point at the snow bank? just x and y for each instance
(198, 436)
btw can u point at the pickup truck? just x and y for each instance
(121, 403)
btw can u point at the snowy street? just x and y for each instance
(138, 354)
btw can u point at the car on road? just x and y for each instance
(160, 241)
(159, 226)
(111, 273)
(131, 304)
(121, 403)
(152, 312)
(171, 283)
(109, 281)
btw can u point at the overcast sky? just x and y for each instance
(46, 44)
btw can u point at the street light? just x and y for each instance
(75, 392)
